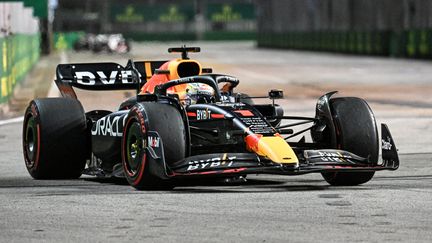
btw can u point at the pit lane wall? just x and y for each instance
(398, 28)
(19, 45)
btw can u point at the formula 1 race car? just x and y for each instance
(111, 43)
(187, 122)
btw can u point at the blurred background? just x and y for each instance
(34, 28)
(379, 50)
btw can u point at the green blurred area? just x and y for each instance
(18, 54)
(177, 21)
(136, 13)
(190, 36)
(408, 43)
(65, 41)
(217, 12)
(158, 21)
(174, 13)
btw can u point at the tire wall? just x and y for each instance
(399, 28)
(19, 45)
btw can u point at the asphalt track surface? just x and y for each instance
(393, 207)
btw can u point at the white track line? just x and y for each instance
(10, 121)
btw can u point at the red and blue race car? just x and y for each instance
(187, 122)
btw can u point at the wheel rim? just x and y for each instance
(135, 150)
(31, 142)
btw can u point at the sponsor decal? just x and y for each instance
(89, 78)
(203, 114)
(244, 112)
(235, 105)
(217, 116)
(154, 141)
(257, 125)
(386, 145)
(332, 159)
(109, 126)
(333, 156)
(338, 156)
(103, 78)
(211, 163)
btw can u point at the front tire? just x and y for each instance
(356, 132)
(55, 138)
(167, 121)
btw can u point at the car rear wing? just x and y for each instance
(103, 76)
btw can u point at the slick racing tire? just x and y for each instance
(167, 121)
(55, 138)
(356, 132)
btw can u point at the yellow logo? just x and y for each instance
(4, 56)
(129, 15)
(226, 15)
(173, 15)
(424, 47)
(4, 88)
(61, 43)
(411, 46)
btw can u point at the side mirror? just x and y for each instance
(275, 94)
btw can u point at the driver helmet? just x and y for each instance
(197, 93)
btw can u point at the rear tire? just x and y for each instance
(356, 132)
(55, 138)
(167, 121)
